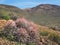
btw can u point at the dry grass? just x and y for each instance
(6, 42)
(2, 23)
(44, 31)
(51, 34)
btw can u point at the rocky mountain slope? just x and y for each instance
(44, 14)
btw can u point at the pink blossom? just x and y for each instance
(11, 23)
(22, 31)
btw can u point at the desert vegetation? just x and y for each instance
(21, 30)
(50, 34)
(44, 14)
(39, 25)
(25, 32)
(4, 15)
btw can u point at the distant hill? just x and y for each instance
(12, 11)
(44, 14)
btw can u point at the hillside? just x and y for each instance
(25, 32)
(11, 11)
(44, 14)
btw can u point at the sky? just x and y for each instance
(29, 3)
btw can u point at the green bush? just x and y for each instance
(54, 37)
(6, 17)
(14, 17)
(44, 33)
(31, 44)
(11, 37)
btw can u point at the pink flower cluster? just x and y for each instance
(26, 31)
(10, 23)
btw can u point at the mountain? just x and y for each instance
(43, 14)
(46, 14)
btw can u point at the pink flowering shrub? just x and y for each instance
(21, 35)
(9, 29)
(30, 28)
(22, 30)
(10, 23)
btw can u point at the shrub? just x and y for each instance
(44, 33)
(54, 37)
(31, 29)
(22, 30)
(4, 15)
(6, 42)
(14, 17)
(9, 30)
(2, 24)
(21, 35)
(50, 34)
(31, 44)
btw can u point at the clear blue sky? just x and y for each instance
(29, 3)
